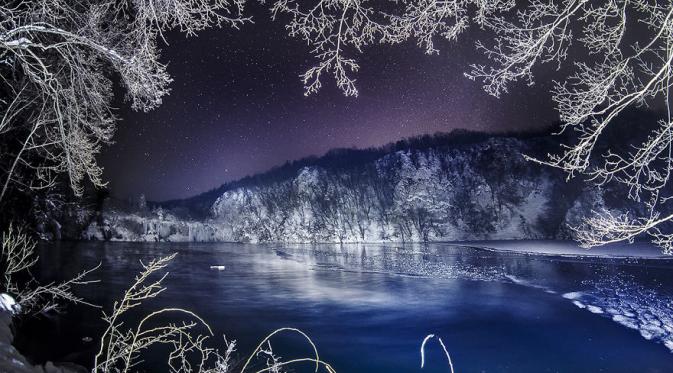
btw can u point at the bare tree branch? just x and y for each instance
(57, 59)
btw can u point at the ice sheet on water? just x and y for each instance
(594, 309)
(572, 295)
(572, 249)
(631, 305)
(402, 261)
(579, 304)
(527, 283)
(613, 296)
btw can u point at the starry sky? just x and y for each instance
(237, 108)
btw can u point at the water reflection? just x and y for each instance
(369, 306)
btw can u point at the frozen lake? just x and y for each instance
(368, 307)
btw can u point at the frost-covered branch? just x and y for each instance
(331, 27)
(57, 59)
(611, 56)
(18, 256)
(337, 29)
(619, 76)
(121, 347)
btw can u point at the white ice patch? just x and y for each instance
(669, 344)
(572, 295)
(520, 281)
(579, 304)
(650, 331)
(594, 309)
(625, 321)
(630, 305)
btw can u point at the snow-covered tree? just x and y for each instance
(622, 52)
(59, 59)
(617, 73)
(58, 62)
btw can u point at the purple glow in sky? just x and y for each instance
(237, 108)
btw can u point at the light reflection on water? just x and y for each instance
(369, 306)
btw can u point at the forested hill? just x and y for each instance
(447, 190)
(456, 186)
(199, 206)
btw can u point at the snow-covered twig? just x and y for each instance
(446, 352)
(58, 58)
(18, 256)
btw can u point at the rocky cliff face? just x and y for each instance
(481, 189)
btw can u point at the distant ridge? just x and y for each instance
(462, 185)
(198, 206)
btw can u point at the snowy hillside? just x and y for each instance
(444, 191)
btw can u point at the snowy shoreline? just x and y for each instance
(566, 248)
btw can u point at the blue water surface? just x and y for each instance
(368, 307)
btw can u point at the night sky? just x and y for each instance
(237, 108)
